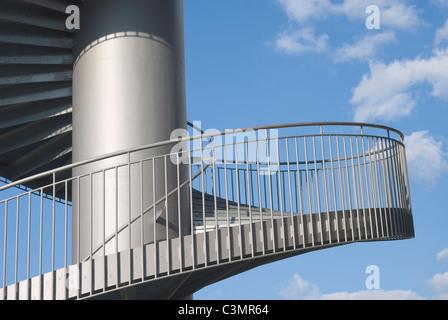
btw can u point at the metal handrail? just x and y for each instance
(186, 139)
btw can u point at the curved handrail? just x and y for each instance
(201, 136)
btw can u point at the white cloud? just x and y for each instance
(425, 156)
(394, 13)
(385, 93)
(302, 14)
(442, 255)
(302, 289)
(440, 284)
(303, 10)
(441, 34)
(300, 41)
(374, 295)
(299, 288)
(364, 48)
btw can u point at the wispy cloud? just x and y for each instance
(426, 158)
(302, 11)
(364, 48)
(442, 255)
(374, 295)
(300, 41)
(301, 289)
(304, 14)
(441, 34)
(384, 93)
(440, 284)
(397, 14)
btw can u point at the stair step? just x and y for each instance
(55, 5)
(17, 74)
(290, 235)
(35, 36)
(15, 115)
(22, 93)
(32, 15)
(23, 54)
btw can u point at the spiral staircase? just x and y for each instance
(255, 195)
(35, 87)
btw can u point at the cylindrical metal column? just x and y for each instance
(128, 91)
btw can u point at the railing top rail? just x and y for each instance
(200, 136)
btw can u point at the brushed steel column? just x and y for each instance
(128, 91)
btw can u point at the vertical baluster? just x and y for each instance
(249, 200)
(168, 256)
(388, 187)
(238, 199)
(204, 219)
(310, 214)
(290, 195)
(78, 239)
(324, 181)
(336, 215)
(319, 213)
(65, 227)
(104, 229)
(117, 254)
(193, 254)
(355, 189)
(129, 218)
(41, 296)
(361, 186)
(400, 185)
(373, 186)
(91, 270)
(394, 187)
(384, 186)
(5, 249)
(154, 217)
(378, 187)
(28, 253)
(274, 247)
(341, 188)
(215, 206)
(368, 187)
(16, 262)
(179, 222)
(229, 243)
(260, 200)
(53, 238)
(300, 194)
(349, 189)
(283, 230)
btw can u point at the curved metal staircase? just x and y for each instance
(36, 66)
(254, 196)
(261, 197)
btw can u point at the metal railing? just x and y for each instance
(334, 182)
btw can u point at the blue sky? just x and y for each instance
(257, 62)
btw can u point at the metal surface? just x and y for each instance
(127, 220)
(275, 194)
(128, 91)
(36, 62)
